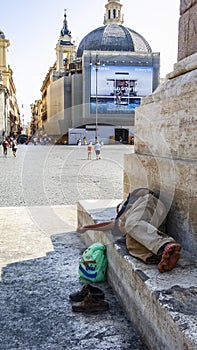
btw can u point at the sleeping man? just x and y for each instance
(139, 219)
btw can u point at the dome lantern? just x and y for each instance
(113, 12)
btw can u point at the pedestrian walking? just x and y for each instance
(84, 141)
(90, 149)
(14, 147)
(35, 141)
(97, 148)
(79, 143)
(5, 145)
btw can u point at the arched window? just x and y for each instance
(109, 15)
(114, 13)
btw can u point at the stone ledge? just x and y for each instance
(185, 65)
(162, 307)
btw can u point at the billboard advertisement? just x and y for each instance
(118, 89)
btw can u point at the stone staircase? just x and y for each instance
(162, 307)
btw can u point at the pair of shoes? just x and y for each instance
(90, 299)
(88, 289)
(170, 256)
(91, 304)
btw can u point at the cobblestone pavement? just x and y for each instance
(40, 250)
(55, 175)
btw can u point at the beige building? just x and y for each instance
(10, 123)
(36, 119)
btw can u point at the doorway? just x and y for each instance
(122, 135)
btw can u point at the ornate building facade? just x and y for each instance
(93, 90)
(10, 123)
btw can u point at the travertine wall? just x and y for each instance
(177, 181)
(187, 43)
(165, 138)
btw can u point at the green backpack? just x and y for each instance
(93, 264)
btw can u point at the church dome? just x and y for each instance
(113, 37)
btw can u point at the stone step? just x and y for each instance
(162, 307)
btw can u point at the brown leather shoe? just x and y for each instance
(80, 295)
(170, 256)
(91, 304)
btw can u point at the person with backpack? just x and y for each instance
(140, 219)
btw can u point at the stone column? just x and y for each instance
(165, 155)
(187, 43)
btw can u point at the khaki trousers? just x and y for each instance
(143, 238)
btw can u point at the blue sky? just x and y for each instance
(33, 28)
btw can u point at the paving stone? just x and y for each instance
(40, 251)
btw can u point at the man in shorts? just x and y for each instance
(97, 149)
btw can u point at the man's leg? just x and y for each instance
(145, 242)
(139, 251)
(148, 235)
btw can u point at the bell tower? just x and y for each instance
(65, 49)
(113, 12)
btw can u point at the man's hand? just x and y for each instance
(81, 229)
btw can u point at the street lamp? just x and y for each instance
(96, 65)
(96, 68)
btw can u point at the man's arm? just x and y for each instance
(103, 226)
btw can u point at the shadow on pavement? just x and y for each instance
(36, 312)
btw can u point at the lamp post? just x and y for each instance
(96, 69)
(96, 65)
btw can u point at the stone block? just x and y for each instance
(187, 40)
(177, 181)
(184, 66)
(162, 305)
(186, 4)
(166, 121)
